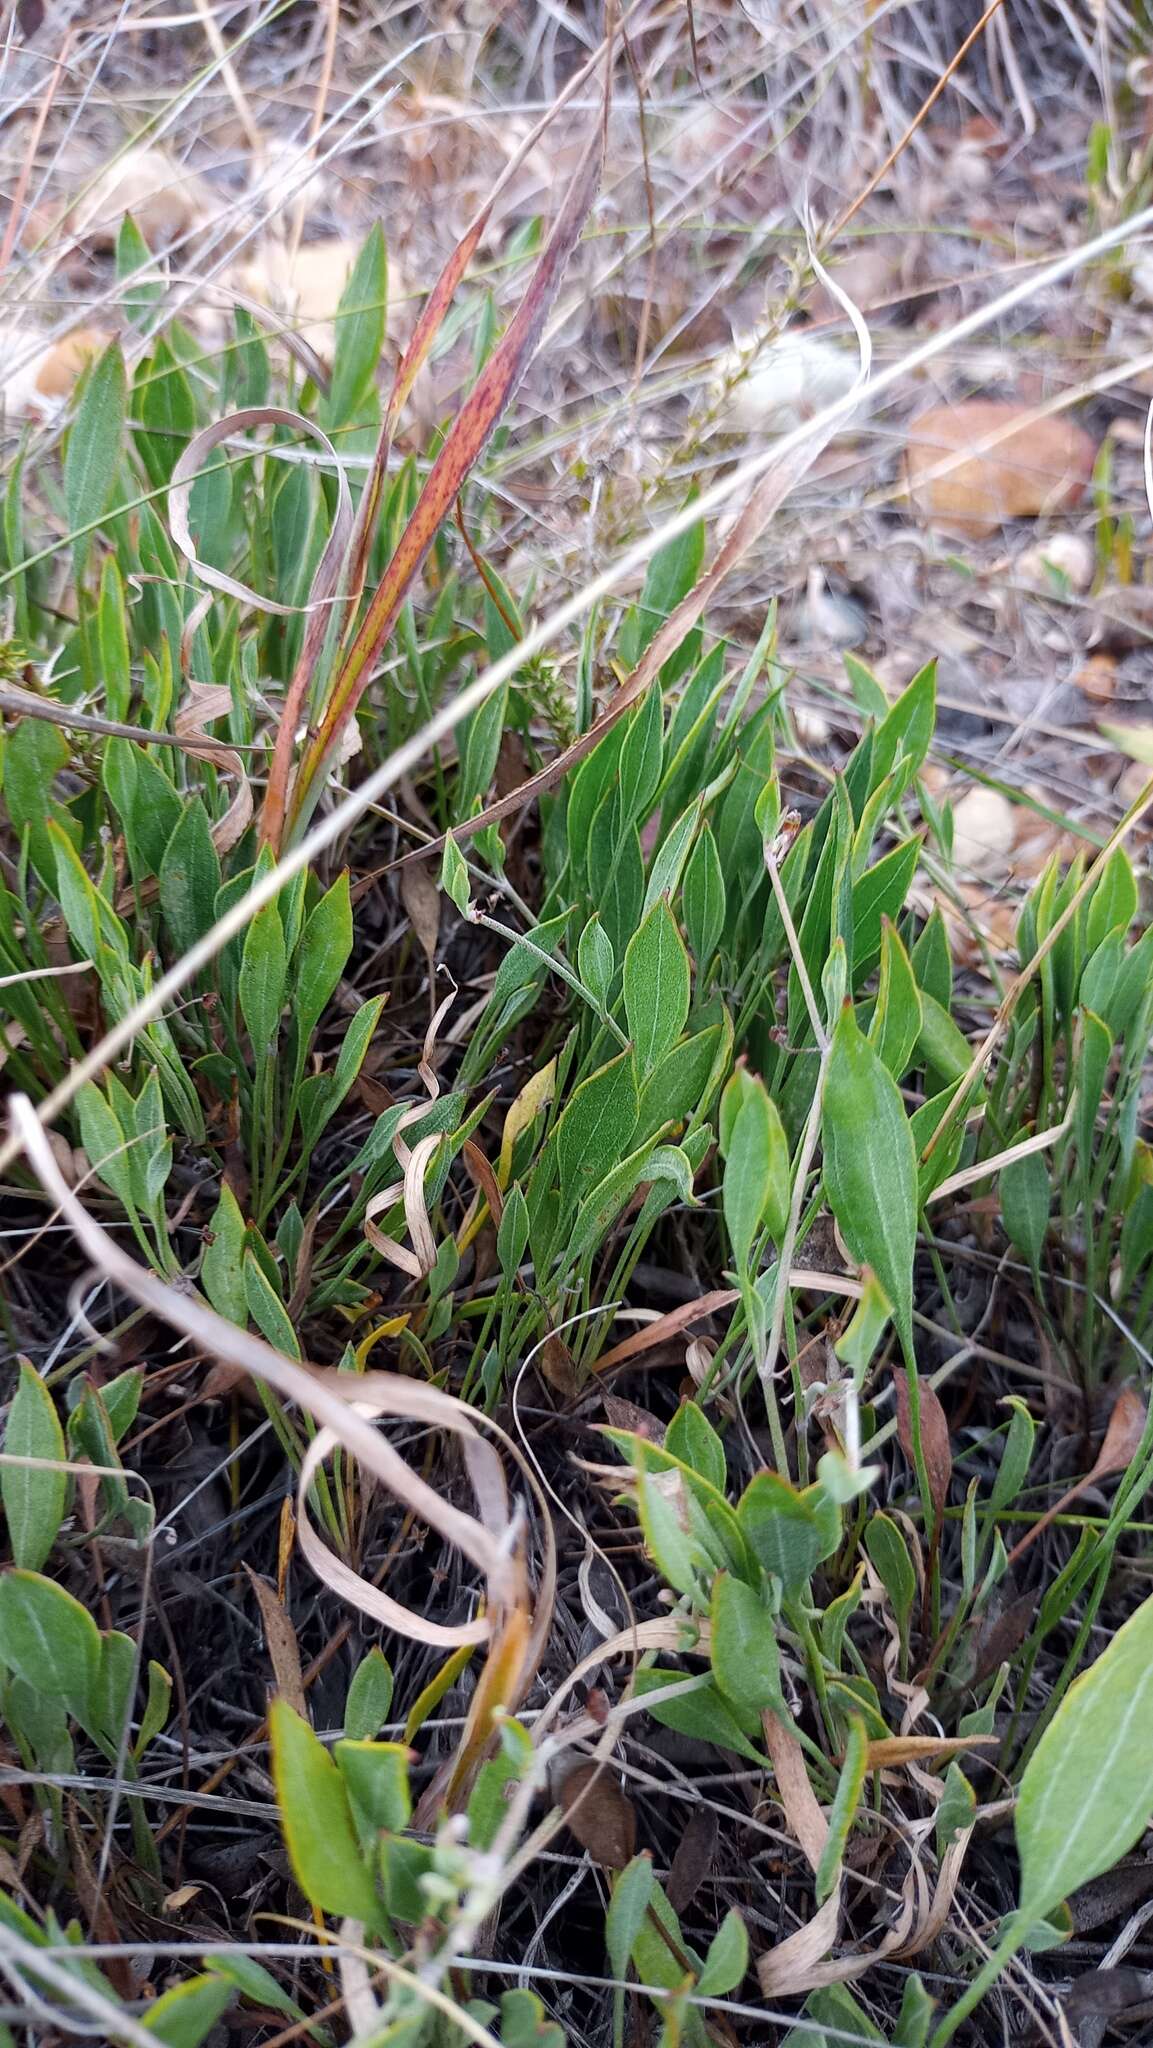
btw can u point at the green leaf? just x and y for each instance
(871, 1167)
(941, 1043)
(756, 1188)
(222, 1267)
(870, 1317)
(781, 1529)
(704, 899)
(623, 891)
(670, 576)
(186, 2015)
(958, 1808)
(727, 1959)
(359, 328)
(106, 1143)
(317, 1820)
(889, 1554)
(691, 1438)
(596, 961)
(49, 1640)
(1016, 1456)
(641, 755)
(523, 2023)
(146, 802)
(627, 1908)
(702, 1714)
(112, 639)
(512, 1236)
(189, 878)
(843, 1809)
(1026, 1194)
(34, 1501)
(322, 1094)
(134, 256)
(908, 728)
(115, 1686)
(743, 1647)
(258, 1985)
(915, 2017)
(376, 1775)
(669, 860)
(94, 441)
(679, 1556)
(1113, 903)
(932, 960)
(597, 1125)
(656, 987)
(684, 1084)
(868, 694)
(156, 1707)
(263, 974)
(34, 754)
(266, 1308)
(454, 876)
(896, 1024)
(834, 2007)
(369, 1697)
(166, 410)
(480, 749)
(325, 946)
(1087, 1791)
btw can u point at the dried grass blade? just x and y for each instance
(474, 424)
(281, 1643)
(335, 1399)
(188, 468)
(1121, 1442)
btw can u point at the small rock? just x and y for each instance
(984, 825)
(1098, 679)
(1047, 566)
(788, 383)
(39, 387)
(1035, 465)
(164, 199)
(305, 288)
(831, 616)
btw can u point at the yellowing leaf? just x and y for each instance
(536, 1094)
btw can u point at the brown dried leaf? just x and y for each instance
(802, 1809)
(599, 1815)
(421, 898)
(557, 1365)
(935, 1447)
(665, 1327)
(1100, 1994)
(283, 1648)
(693, 1859)
(919, 1749)
(997, 1639)
(1120, 1444)
(624, 1414)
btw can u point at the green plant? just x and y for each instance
(704, 1012)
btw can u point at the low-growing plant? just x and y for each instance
(706, 1006)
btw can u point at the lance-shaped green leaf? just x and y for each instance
(871, 1166)
(1087, 1792)
(656, 987)
(94, 442)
